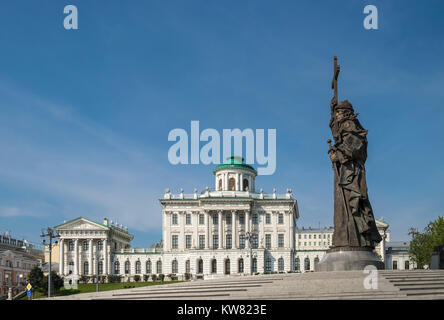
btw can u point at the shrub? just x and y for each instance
(161, 277)
(84, 279)
(154, 277)
(146, 277)
(187, 276)
(114, 278)
(137, 278)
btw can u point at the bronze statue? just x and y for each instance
(354, 223)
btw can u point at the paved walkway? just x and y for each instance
(418, 284)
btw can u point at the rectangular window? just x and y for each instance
(215, 241)
(314, 236)
(241, 218)
(71, 246)
(281, 218)
(305, 236)
(188, 241)
(280, 240)
(85, 245)
(99, 245)
(188, 218)
(300, 237)
(241, 241)
(228, 219)
(267, 218)
(395, 265)
(215, 219)
(174, 241)
(300, 244)
(254, 242)
(201, 242)
(254, 218)
(174, 219)
(228, 241)
(268, 241)
(201, 219)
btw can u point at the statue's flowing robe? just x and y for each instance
(358, 227)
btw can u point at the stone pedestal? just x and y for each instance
(349, 258)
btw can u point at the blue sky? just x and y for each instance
(85, 114)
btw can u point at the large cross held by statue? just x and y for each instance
(334, 82)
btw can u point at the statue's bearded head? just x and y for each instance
(343, 110)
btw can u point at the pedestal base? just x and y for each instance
(349, 258)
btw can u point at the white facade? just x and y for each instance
(87, 247)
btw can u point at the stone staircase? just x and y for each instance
(417, 284)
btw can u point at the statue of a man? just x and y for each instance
(354, 222)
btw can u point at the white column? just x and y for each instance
(261, 235)
(241, 182)
(234, 235)
(247, 228)
(292, 241)
(76, 257)
(105, 257)
(238, 183)
(207, 230)
(274, 240)
(196, 230)
(226, 181)
(219, 232)
(182, 230)
(61, 257)
(90, 258)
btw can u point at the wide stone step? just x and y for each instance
(198, 288)
(147, 293)
(417, 283)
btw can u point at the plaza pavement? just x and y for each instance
(410, 284)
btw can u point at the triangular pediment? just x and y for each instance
(81, 224)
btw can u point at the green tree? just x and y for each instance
(423, 243)
(36, 279)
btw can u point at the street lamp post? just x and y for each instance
(250, 236)
(50, 233)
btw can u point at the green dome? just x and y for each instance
(234, 162)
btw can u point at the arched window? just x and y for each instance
(174, 266)
(240, 265)
(127, 267)
(148, 267)
(268, 267)
(116, 267)
(214, 266)
(254, 266)
(297, 264)
(100, 267)
(138, 267)
(85, 267)
(220, 184)
(316, 261)
(200, 266)
(227, 266)
(306, 264)
(281, 264)
(159, 266)
(231, 184)
(187, 266)
(406, 265)
(245, 185)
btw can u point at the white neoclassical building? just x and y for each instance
(233, 229)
